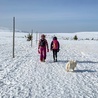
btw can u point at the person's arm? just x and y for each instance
(58, 46)
(39, 44)
(51, 45)
(47, 44)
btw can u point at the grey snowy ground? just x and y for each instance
(26, 77)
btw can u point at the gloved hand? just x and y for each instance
(51, 49)
(58, 50)
(39, 51)
(47, 50)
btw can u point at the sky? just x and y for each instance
(50, 15)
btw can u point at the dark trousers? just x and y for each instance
(55, 54)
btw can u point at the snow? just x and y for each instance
(26, 77)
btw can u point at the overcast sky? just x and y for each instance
(50, 15)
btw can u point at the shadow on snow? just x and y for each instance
(86, 62)
(84, 71)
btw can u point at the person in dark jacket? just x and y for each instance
(55, 48)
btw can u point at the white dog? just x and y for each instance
(71, 65)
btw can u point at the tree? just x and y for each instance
(29, 37)
(75, 37)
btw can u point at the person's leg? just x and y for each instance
(54, 55)
(44, 54)
(41, 54)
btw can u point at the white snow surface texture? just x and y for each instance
(26, 77)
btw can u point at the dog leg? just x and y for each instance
(73, 69)
(67, 68)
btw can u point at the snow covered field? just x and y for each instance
(26, 77)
